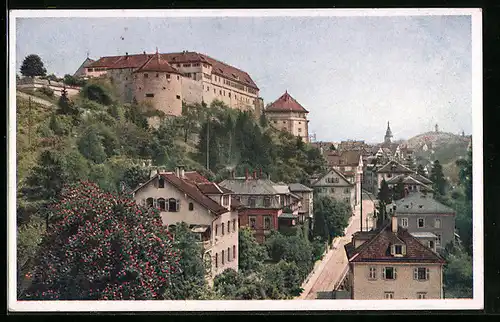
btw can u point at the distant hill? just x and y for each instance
(443, 146)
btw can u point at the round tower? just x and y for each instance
(159, 84)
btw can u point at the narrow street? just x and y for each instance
(330, 269)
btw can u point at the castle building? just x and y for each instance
(187, 77)
(288, 115)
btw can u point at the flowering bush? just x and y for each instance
(103, 246)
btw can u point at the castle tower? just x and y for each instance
(388, 134)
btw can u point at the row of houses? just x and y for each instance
(216, 211)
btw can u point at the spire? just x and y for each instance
(388, 134)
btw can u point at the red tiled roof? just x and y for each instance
(195, 193)
(286, 103)
(210, 188)
(195, 177)
(157, 64)
(131, 61)
(377, 249)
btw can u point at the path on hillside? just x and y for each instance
(34, 99)
(330, 269)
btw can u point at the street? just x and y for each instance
(335, 261)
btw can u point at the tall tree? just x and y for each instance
(251, 255)
(33, 66)
(399, 190)
(103, 246)
(437, 177)
(384, 198)
(465, 174)
(90, 145)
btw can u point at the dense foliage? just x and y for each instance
(102, 246)
(33, 66)
(331, 217)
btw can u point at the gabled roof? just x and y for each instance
(81, 70)
(286, 103)
(157, 64)
(196, 177)
(337, 172)
(298, 187)
(394, 167)
(210, 188)
(131, 61)
(418, 203)
(410, 179)
(377, 249)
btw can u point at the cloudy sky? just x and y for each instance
(353, 74)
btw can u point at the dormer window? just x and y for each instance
(398, 250)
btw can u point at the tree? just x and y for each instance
(399, 190)
(421, 170)
(228, 283)
(465, 174)
(135, 175)
(65, 106)
(103, 246)
(90, 145)
(189, 282)
(457, 275)
(33, 66)
(251, 254)
(97, 93)
(437, 177)
(384, 198)
(333, 217)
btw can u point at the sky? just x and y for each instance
(353, 74)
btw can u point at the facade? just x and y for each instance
(389, 263)
(350, 164)
(420, 213)
(81, 71)
(201, 79)
(335, 185)
(288, 115)
(412, 183)
(207, 209)
(306, 194)
(388, 171)
(266, 205)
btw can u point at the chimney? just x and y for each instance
(179, 171)
(246, 174)
(255, 174)
(232, 174)
(394, 224)
(260, 175)
(126, 55)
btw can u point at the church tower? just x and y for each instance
(436, 128)
(388, 134)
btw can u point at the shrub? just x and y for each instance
(47, 91)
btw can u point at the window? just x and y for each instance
(253, 222)
(437, 223)
(438, 241)
(225, 200)
(389, 273)
(229, 94)
(145, 75)
(251, 202)
(346, 199)
(346, 190)
(150, 95)
(220, 92)
(421, 295)
(216, 230)
(222, 258)
(332, 190)
(167, 76)
(234, 251)
(186, 65)
(216, 260)
(161, 204)
(431, 244)
(191, 206)
(284, 122)
(404, 222)
(398, 249)
(173, 205)
(267, 222)
(300, 130)
(178, 97)
(421, 274)
(388, 295)
(150, 202)
(228, 226)
(214, 91)
(228, 254)
(420, 222)
(222, 229)
(275, 122)
(234, 224)
(177, 77)
(267, 202)
(161, 183)
(157, 75)
(389, 175)
(373, 273)
(300, 123)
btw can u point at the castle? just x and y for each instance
(164, 81)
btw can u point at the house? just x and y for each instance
(191, 77)
(262, 205)
(288, 115)
(335, 185)
(350, 164)
(390, 170)
(80, 72)
(210, 211)
(412, 183)
(419, 213)
(306, 208)
(390, 263)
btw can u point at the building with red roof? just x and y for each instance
(200, 79)
(288, 115)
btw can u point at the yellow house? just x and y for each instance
(389, 263)
(288, 115)
(209, 210)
